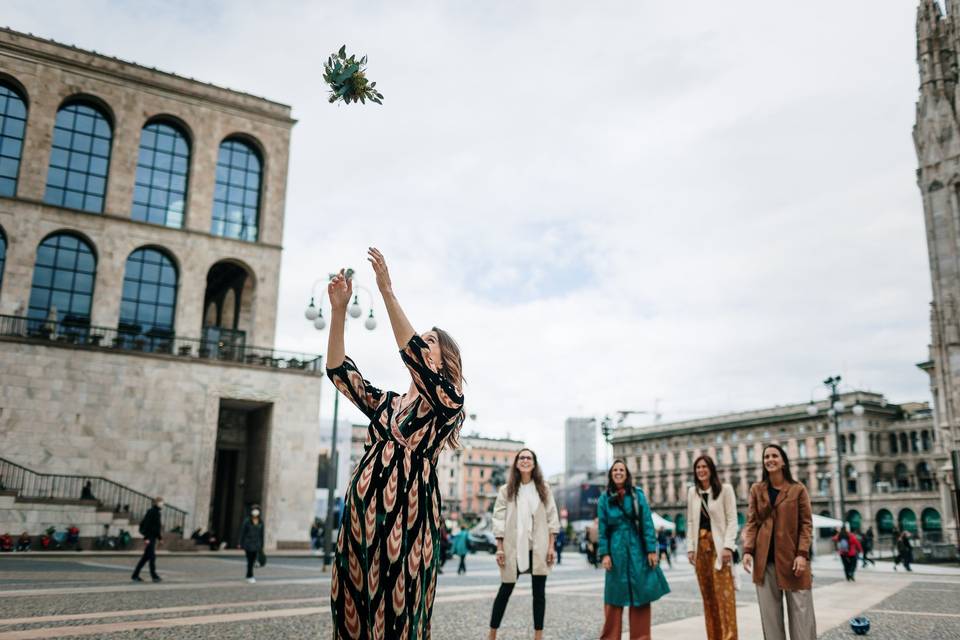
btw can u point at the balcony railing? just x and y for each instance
(222, 346)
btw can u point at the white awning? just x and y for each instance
(660, 522)
(823, 522)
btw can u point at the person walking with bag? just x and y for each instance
(776, 547)
(712, 517)
(525, 524)
(868, 547)
(627, 546)
(151, 528)
(251, 541)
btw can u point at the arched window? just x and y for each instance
(13, 123)
(930, 520)
(924, 477)
(851, 475)
(63, 278)
(79, 158)
(854, 519)
(908, 520)
(884, 521)
(149, 298)
(901, 476)
(236, 200)
(853, 443)
(160, 192)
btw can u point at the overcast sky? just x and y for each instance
(606, 203)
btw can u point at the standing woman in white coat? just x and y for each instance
(712, 518)
(525, 524)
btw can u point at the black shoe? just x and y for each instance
(136, 578)
(157, 579)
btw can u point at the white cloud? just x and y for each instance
(708, 203)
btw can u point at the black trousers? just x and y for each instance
(849, 566)
(149, 555)
(251, 558)
(503, 597)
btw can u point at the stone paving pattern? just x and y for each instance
(95, 584)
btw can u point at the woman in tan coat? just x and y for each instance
(525, 524)
(776, 548)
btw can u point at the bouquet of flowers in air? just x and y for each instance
(347, 79)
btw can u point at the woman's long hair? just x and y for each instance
(627, 483)
(513, 482)
(715, 485)
(786, 464)
(453, 370)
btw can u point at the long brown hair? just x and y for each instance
(612, 486)
(715, 485)
(453, 370)
(513, 482)
(786, 464)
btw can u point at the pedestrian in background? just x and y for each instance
(593, 531)
(663, 546)
(848, 548)
(525, 524)
(315, 534)
(867, 543)
(151, 528)
(904, 551)
(628, 548)
(561, 540)
(712, 517)
(461, 547)
(251, 540)
(776, 546)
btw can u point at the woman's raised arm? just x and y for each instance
(339, 291)
(402, 329)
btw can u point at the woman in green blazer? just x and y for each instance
(628, 547)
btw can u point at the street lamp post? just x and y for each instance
(836, 408)
(606, 428)
(314, 314)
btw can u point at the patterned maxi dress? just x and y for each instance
(389, 544)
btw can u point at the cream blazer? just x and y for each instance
(545, 522)
(723, 520)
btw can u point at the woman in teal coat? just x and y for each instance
(628, 547)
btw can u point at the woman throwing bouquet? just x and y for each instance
(389, 544)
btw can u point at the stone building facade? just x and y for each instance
(470, 475)
(936, 136)
(890, 456)
(141, 217)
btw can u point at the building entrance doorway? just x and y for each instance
(239, 465)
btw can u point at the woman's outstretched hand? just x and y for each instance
(339, 291)
(379, 264)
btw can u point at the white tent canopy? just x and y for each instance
(660, 522)
(823, 522)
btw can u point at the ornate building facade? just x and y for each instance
(937, 139)
(890, 455)
(141, 218)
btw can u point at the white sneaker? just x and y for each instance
(252, 580)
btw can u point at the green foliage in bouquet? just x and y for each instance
(348, 80)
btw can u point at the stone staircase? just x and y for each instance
(33, 502)
(36, 515)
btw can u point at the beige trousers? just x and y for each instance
(803, 623)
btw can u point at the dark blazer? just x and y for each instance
(150, 526)
(251, 535)
(789, 523)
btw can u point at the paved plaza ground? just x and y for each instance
(204, 596)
